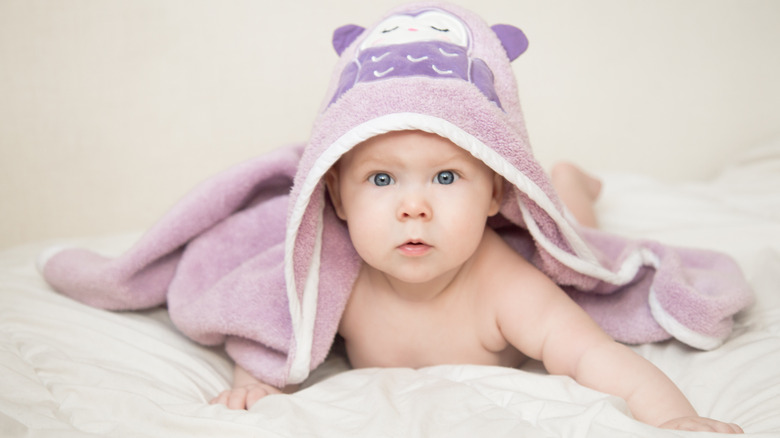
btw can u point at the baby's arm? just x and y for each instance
(652, 397)
(246, 390)
(545, 324)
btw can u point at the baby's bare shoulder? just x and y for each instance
(512, 281)
(500, 260)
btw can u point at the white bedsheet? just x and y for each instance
(67, 370)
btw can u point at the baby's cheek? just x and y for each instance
(365, 238)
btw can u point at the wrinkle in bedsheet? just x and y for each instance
(459, 401)
(401, 402)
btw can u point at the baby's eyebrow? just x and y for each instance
(374, 161)
(457, 158)
(380, 161)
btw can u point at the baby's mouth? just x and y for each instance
(414, 248)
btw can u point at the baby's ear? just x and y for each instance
(332, 184)
(498, 194)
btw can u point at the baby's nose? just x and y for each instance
(414, 206)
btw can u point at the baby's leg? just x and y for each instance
(578, 191)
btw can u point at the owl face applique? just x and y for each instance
(431, 43)
(431, 25)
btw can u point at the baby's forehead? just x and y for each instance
(409, 143)
(409, 148)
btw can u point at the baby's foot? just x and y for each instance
(578, 191)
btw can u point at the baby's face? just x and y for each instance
(415, 204)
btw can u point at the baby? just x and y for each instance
(437, 285)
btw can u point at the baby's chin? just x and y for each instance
(424, 283)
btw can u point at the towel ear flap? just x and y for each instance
(512, 38)
(345, 35)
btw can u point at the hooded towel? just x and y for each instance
(257, 259)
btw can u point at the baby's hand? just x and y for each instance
(701, 424)
(243, 397)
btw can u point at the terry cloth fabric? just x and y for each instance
(256, 258)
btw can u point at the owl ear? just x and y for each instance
(512, 38)
(345, 35)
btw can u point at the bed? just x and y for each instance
(69, 370)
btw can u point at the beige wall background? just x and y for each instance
(111, 110)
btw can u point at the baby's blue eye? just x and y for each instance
(381, 179)
(446, 177)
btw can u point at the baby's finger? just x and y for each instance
(220, 399)
(733, 428)
(258, 391)
(255, 394)
(237, 399)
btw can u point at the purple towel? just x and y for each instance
(256, 258)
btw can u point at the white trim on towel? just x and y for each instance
(304, 336)
(628, 267)
(303, 315)
(678, 330)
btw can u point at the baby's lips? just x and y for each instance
(414, 248)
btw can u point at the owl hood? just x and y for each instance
(442, 70)
(255, 258)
